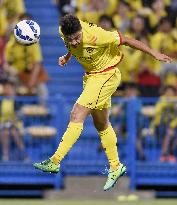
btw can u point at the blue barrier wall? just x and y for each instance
(87, 156)
(150, 171)
(41, 131)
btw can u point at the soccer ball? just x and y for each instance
(27, 32)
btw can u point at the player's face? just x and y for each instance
(8, 90)
(75, 39)
(170, 93)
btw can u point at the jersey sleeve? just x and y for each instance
(20, 7)
(104, 37)
(108, 37)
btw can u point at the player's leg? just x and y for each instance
(107, 136)
(74, 129)
(93, 96)
(109, 143)
(166, 144)
(18, 139)
(5, 144)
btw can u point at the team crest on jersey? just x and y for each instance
(89, 50)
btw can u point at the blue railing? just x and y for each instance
(87, 156)
(152, 169)
(40, 134)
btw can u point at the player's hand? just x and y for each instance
(62, 61)
(162, 57)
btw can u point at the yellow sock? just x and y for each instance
(109, 141)
(69, 138)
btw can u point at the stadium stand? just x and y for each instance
(79, 161)
(17, 176)
(64, 86)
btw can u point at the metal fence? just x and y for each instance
(41, 127)
(152, 151)
(29, 134)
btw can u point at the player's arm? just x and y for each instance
(64, 59)
(34, 74)
(146, 49)
(37, 57)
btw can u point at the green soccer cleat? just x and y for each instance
(113, 177)
(47, 166)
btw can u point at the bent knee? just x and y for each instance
(101, 125)
(74, 116)
(79, 113)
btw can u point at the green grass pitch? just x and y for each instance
(82, 202)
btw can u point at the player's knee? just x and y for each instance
(74, 116)
(170, 133)
(77, 116)
(5, 132)
(101, 125)
(79, 113)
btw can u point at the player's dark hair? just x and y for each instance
(168, 87)
(131, 85)
(70, 24)
(125, 3)
(25, 16)
(164, 20)
(105, 17)
(7, 81)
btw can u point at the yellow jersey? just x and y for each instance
(87, 12)
(7, 110)
(98, 50)
(165, 112)
(14, 8)
(164, 42)
(22, 57)
(3, 21)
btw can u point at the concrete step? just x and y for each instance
(91, 187)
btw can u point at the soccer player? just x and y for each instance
(98, 51)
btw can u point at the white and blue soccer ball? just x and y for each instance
(27, 32)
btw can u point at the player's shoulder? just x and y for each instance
(12, 42)
(36, 47)
(87, 25)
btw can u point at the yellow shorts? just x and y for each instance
(98, 89)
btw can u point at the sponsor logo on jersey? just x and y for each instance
(91, 24)
(92, 40)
